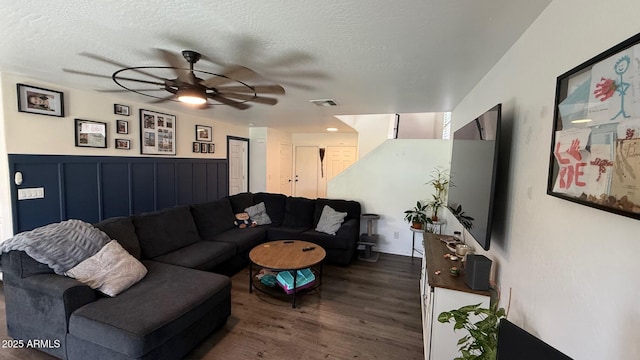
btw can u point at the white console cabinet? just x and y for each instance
(440, 293)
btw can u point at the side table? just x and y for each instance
(413, 241)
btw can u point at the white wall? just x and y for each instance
(572, 269)
(5, 206)
(388, 181)
(25, 133)
(373, 130)
(257, 159)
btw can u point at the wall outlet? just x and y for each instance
(396, 235)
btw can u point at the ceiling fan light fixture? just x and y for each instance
(192, 96)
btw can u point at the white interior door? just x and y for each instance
(238, 166)
(306, 172)
(338, 158)
(286, 167)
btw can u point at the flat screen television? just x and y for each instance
(515, 343)
(474, 163)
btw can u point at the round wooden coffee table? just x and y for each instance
(287, 255)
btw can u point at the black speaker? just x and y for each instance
(477, 269)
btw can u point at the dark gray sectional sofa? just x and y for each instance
(188, 251)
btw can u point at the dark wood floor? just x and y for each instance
(364, 311)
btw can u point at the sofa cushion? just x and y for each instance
(299, 212)
(330, 220)
(122, 229)
(352, 208)
(241, 201)
(258, 213)
(111, 270)
(203, 255)
(286, 233)
(164, 231)
(275, 205)
(327, 241)
(243, 239)
(213, 217)
(167, 301)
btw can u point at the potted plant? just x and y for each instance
(440, 182)
(417, 216)
(482, 340)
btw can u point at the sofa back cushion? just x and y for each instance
(275, 205)
(299, 212)
(241, 201)
(164, 231)
(352, 208)
(213, 218)
(122, 230)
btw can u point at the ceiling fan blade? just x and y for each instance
(235, 73)
(113, 62)
(129, 90)
(224, 100)
(86, 73)
(110, 77)
(177, 64)
(263, 89)
(253, 98)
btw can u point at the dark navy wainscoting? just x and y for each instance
(93, 188)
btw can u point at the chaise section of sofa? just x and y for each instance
(161, 317)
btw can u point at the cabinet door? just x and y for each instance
(444, 340)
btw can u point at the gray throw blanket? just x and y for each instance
(60, 245)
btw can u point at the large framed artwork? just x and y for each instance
(157, 133)
(41, 101)
(595, 148)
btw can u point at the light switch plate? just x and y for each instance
(31, 193)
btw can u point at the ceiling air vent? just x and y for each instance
(324, 102)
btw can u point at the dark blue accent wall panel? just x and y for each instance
(80, 187)
(115, 189)
(93, 188)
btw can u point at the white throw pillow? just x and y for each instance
(258, 213)
(111, 270)
(330, 220)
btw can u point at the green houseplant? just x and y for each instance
(440, 182)
(417, 216)
(482, 340)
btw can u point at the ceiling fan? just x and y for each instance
(199, 88)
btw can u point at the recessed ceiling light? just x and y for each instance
(332, 129)
(252, 124)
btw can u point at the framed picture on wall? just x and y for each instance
(124, 144)
(41, 101)
(121, 109)
(204, 133)
(204, 148)
(157, 133)
(212, 148)
(122, 126)
(593, 158)
(196, 147)
(91, 133)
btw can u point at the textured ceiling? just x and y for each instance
(371, 56)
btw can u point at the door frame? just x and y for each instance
(237, 138)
